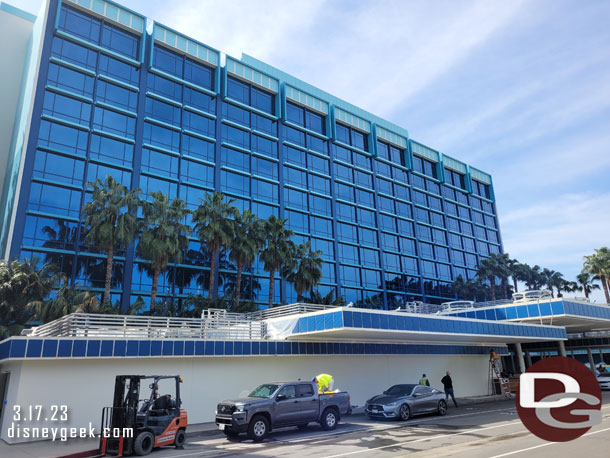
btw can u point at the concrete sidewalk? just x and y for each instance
(82, 448)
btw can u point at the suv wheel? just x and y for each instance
(259, 428)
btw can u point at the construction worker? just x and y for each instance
(495, 360)
(424, 380)
(325, 382)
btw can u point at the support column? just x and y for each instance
(591, 361)
(520, 360)
(528, 357)
(562, 348)
(601, 356)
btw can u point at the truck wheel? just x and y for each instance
(258, 428)
(180, 438)
(330, 418)
(442, 407)
(144, 443)
(230, 433)
(404, 413)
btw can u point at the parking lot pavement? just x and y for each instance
(491, 430)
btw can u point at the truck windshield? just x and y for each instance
(264, 391)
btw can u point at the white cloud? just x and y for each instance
(557, 233)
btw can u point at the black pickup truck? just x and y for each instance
(280, 404)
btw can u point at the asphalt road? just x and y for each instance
(490, 430)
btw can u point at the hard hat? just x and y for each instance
(313, 379)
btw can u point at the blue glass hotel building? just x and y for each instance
(105, 90)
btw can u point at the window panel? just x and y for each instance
(168, 61)
(319, 184)
(97, 171)
(347, 232)
(265, 168)
(294, 198)
(264, 190)
(262, 100)
(321, 226)
(164, 87)
(199, 100)
(162, 111)
(198, 148)
(113, 122)
(264, 146)
(63, 138)
(80, 24)
(58, 168)
(348, 253)
(320, 205)
(73, 53)
(66, 108)
(120, 41)
(70, 80)
(367, 236)
(234, 182)
(54, 199)
(151, 184)
(205, 126)
(199, 74)
(197, 173)
(366, 217)
(119, 70)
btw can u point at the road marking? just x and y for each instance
(545, 445)
(424, 439)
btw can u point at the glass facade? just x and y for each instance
(395, 220)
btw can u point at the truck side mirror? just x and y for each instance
(280, 397)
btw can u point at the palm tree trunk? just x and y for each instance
(586, 291)
(271, 283)
(604, 282)
(212, 276)
(110, 253)
(153, 291)
(238, 284)
(515, 283)
(505, 287)
(299, 298)
(492, 283)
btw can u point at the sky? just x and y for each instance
(518, 89)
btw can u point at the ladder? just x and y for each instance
(494, 373)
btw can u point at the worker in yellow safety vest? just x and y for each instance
(424, 380)
(325, 382)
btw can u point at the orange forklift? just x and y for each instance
(134, 425)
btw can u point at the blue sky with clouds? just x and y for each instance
(519, 89)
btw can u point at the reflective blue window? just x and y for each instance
(407, 246)
(295, 156)
(70, 80)
(295, 177)
(198, 100)
(343, 172)
(238, 90)
(424, 232)
(202, 125)
(265, 168)
(405, 227)
(294, 135)
(442, 253)
(264, 146)
(409, 265)
(164, 87)
(387, 222)
(116, 95)
(113, 122)
(236, 114)
(348, 253)
(162, 111)
(63, 138)
(366, 217)
(321, 226)
(168, 61)
(346, 212)
(365, 198)
(426, 250)
(384, 186)
(363, 179)
(319, 184)
(161, 136)
(98, 171)
(59, 168)
(264, 124)
(150, 184)
(118, 69)
(264, 190)
(428, 269)
(233, 182)
(198, 148)
(295, 199)
(66, 108)
(73, 53)
(391, 262)
(389, 242)
(349, 275)
(343, 154)
(386, 204)
(347, 232)
(159, 163)
(318, 163)
(54, 199)
(320, 205)
(80, 24)
(120, 41)
(295, 114)
(297, 221)
(367, 236)
(49, 233)
(199, 74)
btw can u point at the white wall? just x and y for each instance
(14, 34)
(86, 385)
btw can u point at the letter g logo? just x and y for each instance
(559, 399)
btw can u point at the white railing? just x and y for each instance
(214, 326)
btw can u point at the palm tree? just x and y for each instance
(278, 251)
(552, 279)
(248, 239)
(163, 237)
(532, 276)
(503, 270)
(487, 271)
(585, 280)
(214, 224)
(599, 264)
(308, 271)
(22, 284)
(68, 299)
(110, 221)
(517, 271)
(329, 299)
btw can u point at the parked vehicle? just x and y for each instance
(403, 401)
(604, 376)
(279, 404)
